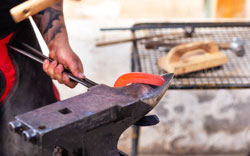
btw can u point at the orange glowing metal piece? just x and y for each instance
(137, 77)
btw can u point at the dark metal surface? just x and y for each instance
(89, 124)
(235, 74)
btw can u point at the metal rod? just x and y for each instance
(36, 51)
(140, 26)
(26, 54)
(114, 29)
(86, 82)
(135, 140)
(137, 67)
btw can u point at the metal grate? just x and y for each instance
(234, 74)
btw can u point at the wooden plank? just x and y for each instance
(190, 57)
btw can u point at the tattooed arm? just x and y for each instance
(51, 24)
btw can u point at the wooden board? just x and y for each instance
(190, 57)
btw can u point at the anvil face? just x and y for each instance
(90, 123)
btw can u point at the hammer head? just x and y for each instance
(237, 46)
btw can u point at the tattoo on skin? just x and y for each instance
(50, 22)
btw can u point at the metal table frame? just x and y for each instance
(234, 75)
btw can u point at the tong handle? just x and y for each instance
(86, 82)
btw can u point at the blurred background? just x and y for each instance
(181, 130)
(84, 18)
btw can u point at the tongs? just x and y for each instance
(86, 82)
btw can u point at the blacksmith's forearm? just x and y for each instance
(51, 23)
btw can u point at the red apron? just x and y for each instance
(26, 88)
(8, 70)
(6, 67)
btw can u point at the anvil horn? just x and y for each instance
(153, 97)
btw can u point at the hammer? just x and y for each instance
(236, 46)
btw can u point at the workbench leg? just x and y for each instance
(135, 67)
(135, 139)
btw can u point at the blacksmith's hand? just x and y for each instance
(52, 27)
(64, 57)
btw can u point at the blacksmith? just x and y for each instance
(24, 86)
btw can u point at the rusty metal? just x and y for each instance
(89, 124)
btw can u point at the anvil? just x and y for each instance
(89, 124)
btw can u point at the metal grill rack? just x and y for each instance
(234, 74)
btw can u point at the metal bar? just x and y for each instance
(190, 24)
(135, 68)
(36, 51)
(115, 29)
(86, 82)
(26, 54)
(135, 142)
(178, 25)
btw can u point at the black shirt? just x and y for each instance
(7, 24)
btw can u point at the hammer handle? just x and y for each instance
(29, 8)
(224, 45)
(134, 39)
(126, 40)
